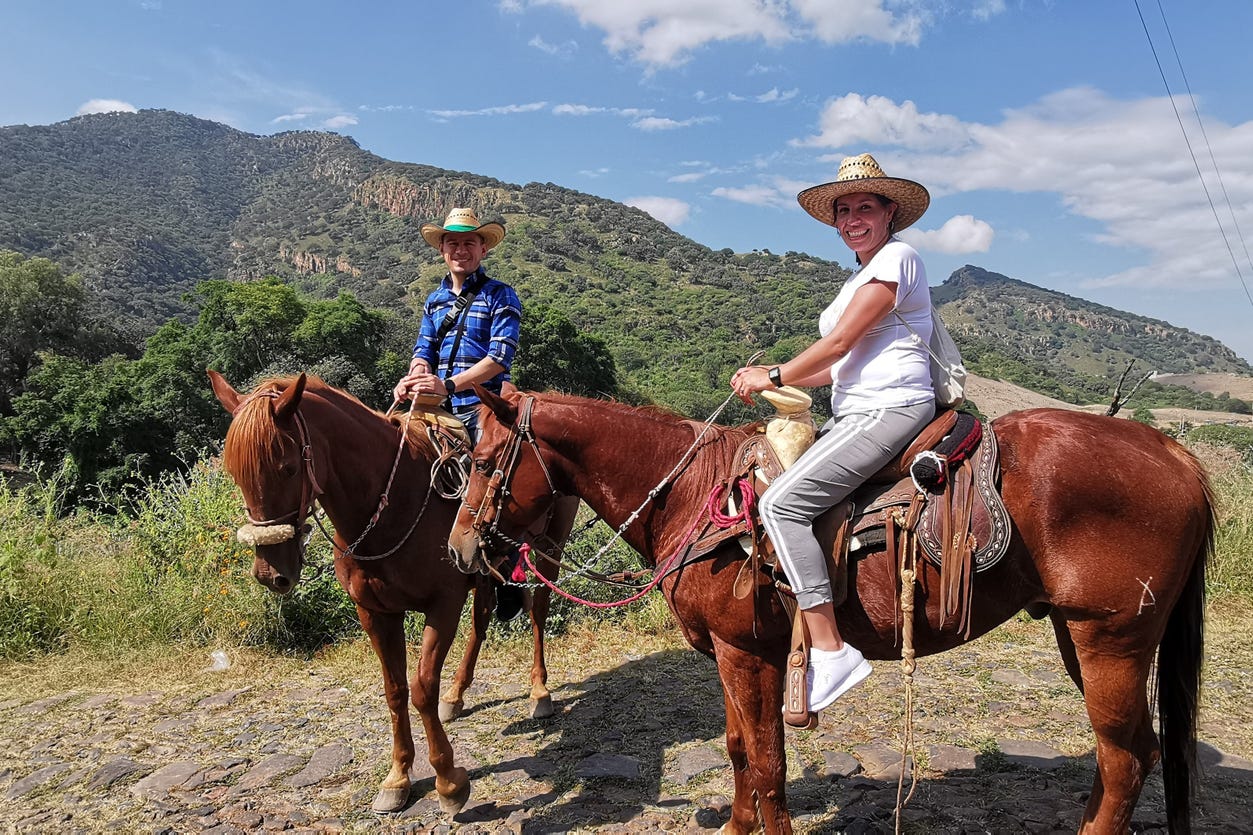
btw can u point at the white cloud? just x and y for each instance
(661, 33)
(592, 110)
(959, 235)
(105, 106)
(664, 33)
(594, 172)
(655, 123)
(500, 110)
(668, 210)
(774, 94)
(755, 195)
(690, 177)
(343, 120)
(853, 120)
(841, 21)
(987, 9)
(289, 117)
(1120, 165)
(564, 50)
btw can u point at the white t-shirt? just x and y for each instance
(888, 366)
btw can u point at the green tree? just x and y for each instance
(243, 327)
(40, 309)
(554, 354)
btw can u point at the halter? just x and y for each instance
(485, 516)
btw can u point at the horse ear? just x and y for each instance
(505, 411)
(226, 394)
(287, 402)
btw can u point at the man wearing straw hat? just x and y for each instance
(881, 393)
(469, 334)
(470, 322)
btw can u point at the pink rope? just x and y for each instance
(747, 500)
(660, 571)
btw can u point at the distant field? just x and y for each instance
(995, 398)
(1235, 385)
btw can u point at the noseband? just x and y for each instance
(278, 530)
(487, 514)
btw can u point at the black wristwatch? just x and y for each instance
(450, 385)
(775, 377)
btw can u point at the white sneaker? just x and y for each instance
(832, 674)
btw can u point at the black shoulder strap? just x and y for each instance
(464, 299)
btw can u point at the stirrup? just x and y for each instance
(796, 710)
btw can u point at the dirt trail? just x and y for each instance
(636, 745)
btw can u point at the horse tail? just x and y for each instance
(1179, 673)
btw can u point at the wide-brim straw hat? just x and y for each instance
(463, 220)
(862, 173)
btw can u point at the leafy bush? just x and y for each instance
(164, 567)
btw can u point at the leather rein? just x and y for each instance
(487, 514)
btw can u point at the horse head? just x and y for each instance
(268, 455)
(510, 485)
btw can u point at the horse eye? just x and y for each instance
(482, 465)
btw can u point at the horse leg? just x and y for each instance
(541, 702)
(386, 631)
(452, 704)
(452, 782)
(753, 691)
(557, 531)
(1114, 688)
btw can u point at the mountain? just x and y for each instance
(145, 205)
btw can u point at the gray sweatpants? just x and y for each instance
(849, 450)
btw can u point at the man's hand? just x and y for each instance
(420, 381)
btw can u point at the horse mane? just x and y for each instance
(254, 443)
(711, 463)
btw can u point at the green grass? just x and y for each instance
(161, 567)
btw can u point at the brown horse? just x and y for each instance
(296, 441)
(1113, 524)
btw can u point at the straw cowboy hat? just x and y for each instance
(862, 173)
(463, 220)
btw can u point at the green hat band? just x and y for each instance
(458, 227)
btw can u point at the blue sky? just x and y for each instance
(1042, 128)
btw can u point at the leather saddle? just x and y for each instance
(941, 491)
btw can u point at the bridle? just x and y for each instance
(276, 530)
(487, 514)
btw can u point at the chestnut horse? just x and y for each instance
(348, 456)
(1113, 525)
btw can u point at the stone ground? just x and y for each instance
(280, 744)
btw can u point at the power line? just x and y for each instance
(1201, 124)
(1221, 231)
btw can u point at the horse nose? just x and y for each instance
(465, 551)
(275, 581)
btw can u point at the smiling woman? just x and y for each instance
(874, 349)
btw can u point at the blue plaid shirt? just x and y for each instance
(492, 322)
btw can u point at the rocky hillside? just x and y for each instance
(146, 205)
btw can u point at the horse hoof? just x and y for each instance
(542, 708)
(449, 711)
(390, 800)
(451, 804)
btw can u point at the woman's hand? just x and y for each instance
(749, 380)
